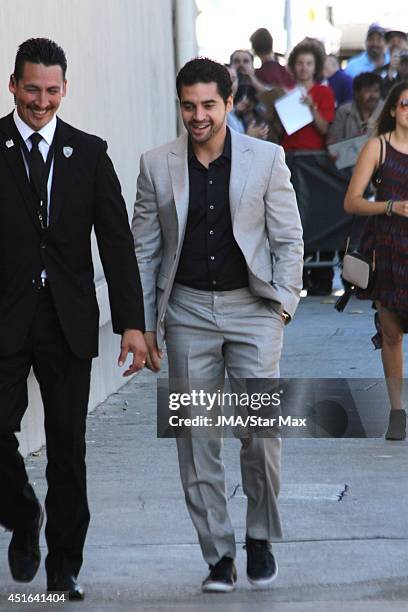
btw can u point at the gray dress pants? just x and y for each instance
(206, 334)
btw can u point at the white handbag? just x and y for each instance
(357, 269)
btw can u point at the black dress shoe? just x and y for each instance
(67, 584)
(24, 550)
(262, 568)
(222, 577)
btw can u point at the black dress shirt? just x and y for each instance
(210, 259)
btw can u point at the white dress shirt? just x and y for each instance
(47, 132)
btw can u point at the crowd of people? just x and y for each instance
(366, 99)
(362, 85)
(344, 103)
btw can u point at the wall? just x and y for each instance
(120, 86)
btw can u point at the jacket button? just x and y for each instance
(43, 245)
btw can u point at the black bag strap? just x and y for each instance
(377, 176)
(376, 179)
(343, 300)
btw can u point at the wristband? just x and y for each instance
(388, 208)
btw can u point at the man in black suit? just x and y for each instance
(56, 184)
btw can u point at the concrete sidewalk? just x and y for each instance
(343, 502)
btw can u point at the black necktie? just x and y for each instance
(36, 163)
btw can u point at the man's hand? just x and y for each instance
(133, 342)
(154, 356)
(247, 69)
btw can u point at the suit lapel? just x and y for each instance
(178, 168)
(11, 150)
(61, 174)
(241, 160)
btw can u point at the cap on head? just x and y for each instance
(375, 28)
(395, 32)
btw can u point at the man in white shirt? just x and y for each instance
(56, 184)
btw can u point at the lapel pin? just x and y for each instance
(68, 151)
(9, 143)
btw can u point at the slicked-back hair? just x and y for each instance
(386, 122)
(308, 48)
(205, 70)
(366, 79)
(261, 41)
(39, 51)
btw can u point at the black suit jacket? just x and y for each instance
(85, 194)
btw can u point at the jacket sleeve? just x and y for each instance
(336, 129)
(284, 231)
(115, 246)
(147, 237)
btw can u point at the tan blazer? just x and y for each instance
(264, 214)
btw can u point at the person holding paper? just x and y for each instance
(306, 64)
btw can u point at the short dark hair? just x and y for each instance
(39, 51)
(386, 122)
(261, 41)
(366, 79)
(310, 48)
(205, 70)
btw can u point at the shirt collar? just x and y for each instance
(227, 145)
(226, 152)
(47, 132)
(368, 59)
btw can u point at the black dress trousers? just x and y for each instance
(64, 381)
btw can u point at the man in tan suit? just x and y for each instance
(219, 244)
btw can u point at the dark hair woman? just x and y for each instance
(385, 239)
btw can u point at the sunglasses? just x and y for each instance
(403, 103)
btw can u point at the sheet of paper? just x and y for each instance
(293, 113)
(347, 151)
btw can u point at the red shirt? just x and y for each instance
(272, 73)
(308, 138)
